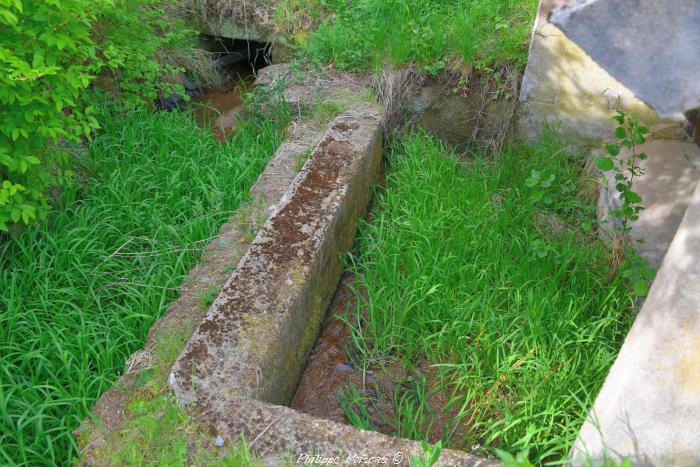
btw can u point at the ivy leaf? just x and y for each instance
(604, 163)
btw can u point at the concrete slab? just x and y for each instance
(672, 170)
(255, 339)
(563, 86)
(649, 406)
(645, 44)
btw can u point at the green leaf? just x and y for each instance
(604, 163)
(612, 149)
(641, 287)
(620, 132)
(619, 118)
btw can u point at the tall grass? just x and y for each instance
(497, 287)
(80, 291)
(429, 33)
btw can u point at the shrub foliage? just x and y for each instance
(56, 58)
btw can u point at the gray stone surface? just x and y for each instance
(280, 434)
(648, 45)
(649, 406)
(563, 86)
(255, 339)
(672, 170)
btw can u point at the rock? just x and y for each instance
(672, 170)
(564, 87)
(648, 45)
(649, 406)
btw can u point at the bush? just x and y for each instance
(56, 58)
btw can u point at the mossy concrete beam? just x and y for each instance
(282, 436)
(256, 338)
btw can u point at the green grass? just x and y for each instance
(432, 34)
(81, 290)
(486, 271)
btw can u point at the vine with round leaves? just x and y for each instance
(630, 134)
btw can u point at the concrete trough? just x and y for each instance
(282, 436)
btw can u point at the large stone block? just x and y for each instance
(648, 45)
(649, 407)
(564, 86)
(255, 339)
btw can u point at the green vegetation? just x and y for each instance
(161, 432)
(81, 290)
(57, 58)
(432, 34)
(484, 279)
(630, 133)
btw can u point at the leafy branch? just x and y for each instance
(630, 134)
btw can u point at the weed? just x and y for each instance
(251, 217)
(300, 159)
(430, 456)
(630, 133)
(207, 297)
(355, 408)
(325, 111)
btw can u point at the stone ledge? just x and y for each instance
(255, 339)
